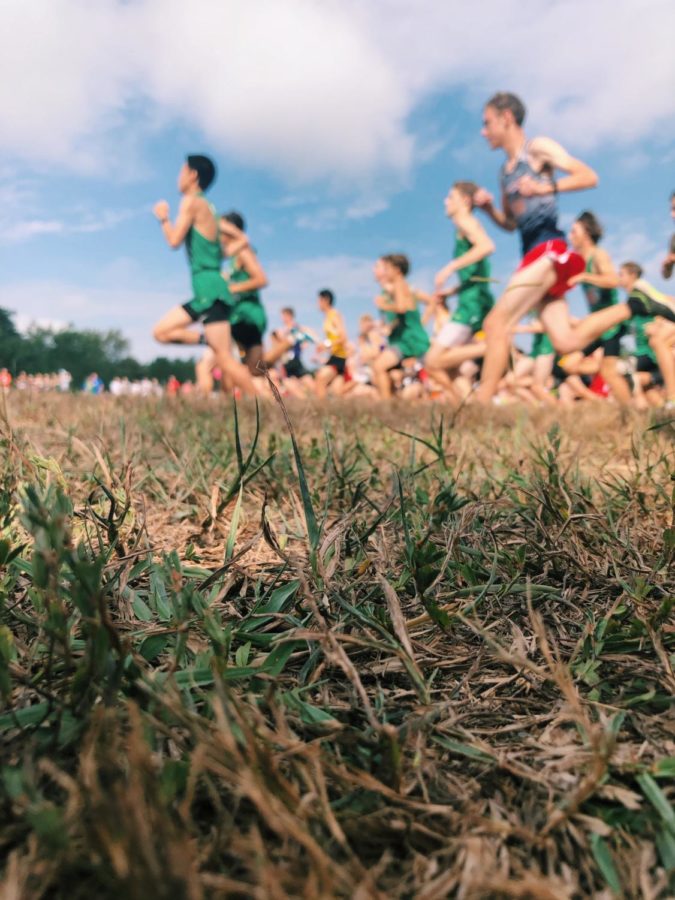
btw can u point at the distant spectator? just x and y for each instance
(93, 384)
(172, 386)
(65, 379)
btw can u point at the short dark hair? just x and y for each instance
(399, 261)
(633, 269)
(328, 295)
(591, 226)
(468, 188)
(205, 169)
(288, 310)
(503, 100)
(235, 218)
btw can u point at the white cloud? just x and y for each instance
(322, 218)
(20, 218)
(313, 90)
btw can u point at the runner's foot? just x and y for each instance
(643, 303)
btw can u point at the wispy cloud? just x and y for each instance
(20, 220)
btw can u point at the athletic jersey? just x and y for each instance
(601, 298)
(299, 337)
(331, 327)
(536, 217)
(541, 345)
(408, 335)
(205, 257)
(638, 323)
(642, 348)
(475, 298)
(248, 307)
(238, 274)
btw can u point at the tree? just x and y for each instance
(81, 353)
(10, 340)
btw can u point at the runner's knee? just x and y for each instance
(432, 359)
(564, 343)
(495, 324)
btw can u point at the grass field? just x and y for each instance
(400, 657)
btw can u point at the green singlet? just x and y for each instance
(642, 347)
(205, 257)
(409, 336)
(541, 345)
(601, 298)
(248, 308)
(475, 297)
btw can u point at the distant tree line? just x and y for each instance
(80, 352)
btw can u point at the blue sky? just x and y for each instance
(337, 128)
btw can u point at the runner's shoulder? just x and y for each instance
(546, 151)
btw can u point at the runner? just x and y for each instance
(245, 279)
(543, 361)
(647, 372)
(295, 337)
(470, 262)
(661, 337)
(599, 283)
(336, 342)
(197, 227)
(368, 345)
(529, 204)
(408, 338)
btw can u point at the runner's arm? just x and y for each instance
(427, 299)
(605, 276)
(175, 234)
(431, 304)
(234, 248)
(501, 217)
(383, 303)
(257, 278)
(308, 334)
(237, 237)
(548, 152)
(448, 292)
(395, 304)
(481, 245)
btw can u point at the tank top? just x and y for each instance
(600, 298)
(476, 275)
(299, 337)
(203, 255)
(536, 217)
(332, 330)
(238, 274)
(408, 333)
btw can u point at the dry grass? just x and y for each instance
(379, 666)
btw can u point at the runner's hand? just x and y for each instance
(161, 210)
(483, 198)
(575, 279)
(527, 186)
(443, 276)
(230, 230)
